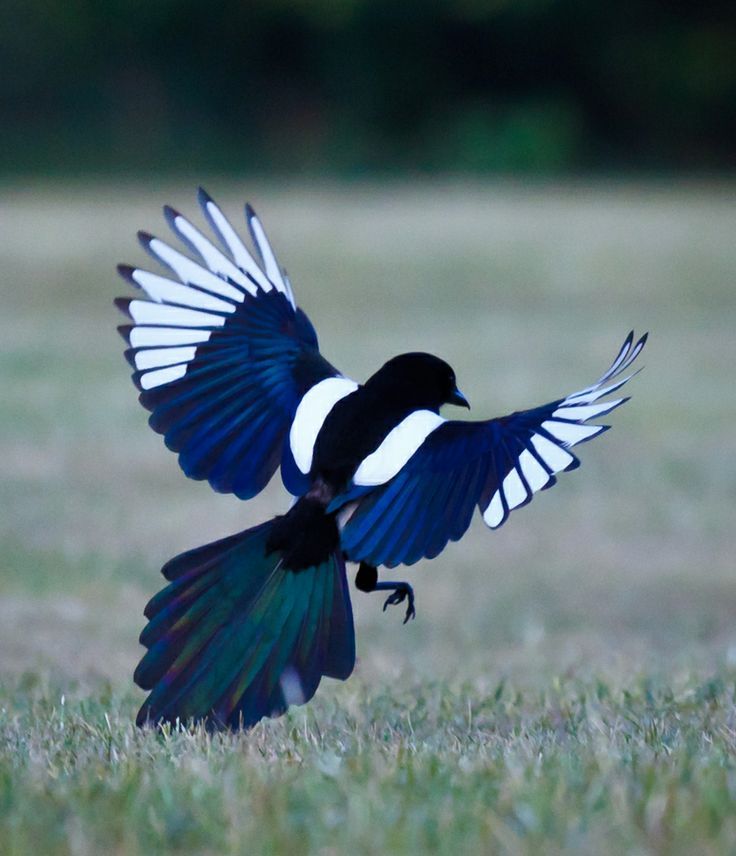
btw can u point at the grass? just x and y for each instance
(422, 767)
(569, 683)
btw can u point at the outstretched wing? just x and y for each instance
(498, 465)
(222, 355)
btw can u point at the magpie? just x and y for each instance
(230, 369)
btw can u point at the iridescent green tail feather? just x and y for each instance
(235, 636)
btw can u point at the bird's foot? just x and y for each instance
(403, 591)
(367, 580)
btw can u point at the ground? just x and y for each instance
(569, 684)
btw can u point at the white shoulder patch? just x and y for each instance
(397, 447)
(311, 414)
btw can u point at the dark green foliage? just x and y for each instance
(366, 85)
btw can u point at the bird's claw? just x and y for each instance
(401, 593)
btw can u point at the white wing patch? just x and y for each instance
(180, 316)
(397, 447)
(581, 412)
(157, 378)
(549, 453)
(163, 290)
(230, 238)
(151, 358)
(189, 271)
(514, 490)
(547, 450)
(216, 261)
(311, 414)
(495, 514)
(146, 312)
(152, 337)
(570, 433)
(273, 271)
(535, 475)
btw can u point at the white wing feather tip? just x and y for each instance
(495, 513)
(159, 377)
(567, 426)
(624, 359)
(127, 271)
(567, 434)
(212, 257)
(145, 239)
(123, 304)
(171, 214)
(152, 358)
(580, 413)
(232, 242)
(268, 258)
(203, 197)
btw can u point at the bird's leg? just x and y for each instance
(367, 580)
(401, 591)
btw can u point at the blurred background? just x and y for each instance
(356, 87)
(511, 185)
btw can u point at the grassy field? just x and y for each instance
(569, 684)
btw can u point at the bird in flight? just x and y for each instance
(230, 369)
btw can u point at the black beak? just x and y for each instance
(456, 397)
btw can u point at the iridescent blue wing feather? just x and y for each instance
(498, 465)
(221, 353)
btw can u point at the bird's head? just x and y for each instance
(420, 379)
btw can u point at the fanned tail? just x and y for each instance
(235, 636)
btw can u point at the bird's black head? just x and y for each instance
(420, 380)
